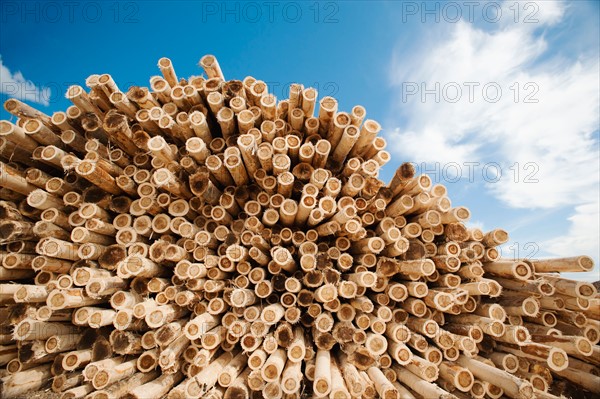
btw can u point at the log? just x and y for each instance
(572, 264)
(156, 388)
(512, 386)
(18, 384)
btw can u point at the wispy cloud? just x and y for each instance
(537, 118)
(15, 85)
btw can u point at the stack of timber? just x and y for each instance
(201, 239)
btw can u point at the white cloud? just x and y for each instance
(15, 85)
(430, 144)
(582, 238)
(553, 140)
(476, 224)
(578, 240)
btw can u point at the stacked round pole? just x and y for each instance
(201, 239)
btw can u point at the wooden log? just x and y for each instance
(156, 388)
(556, 358)
(322, 380)
(107, 376)
(20, 383)
(207, 378)
(512, 386)
(573, 264)
(422, 387)
(120, 388)
(517, 270)
(14, 180)
(586, 380)
(384, 387)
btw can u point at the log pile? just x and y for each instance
(200, 239)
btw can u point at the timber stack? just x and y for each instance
(201, 239)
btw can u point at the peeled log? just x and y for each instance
(155, 389)
(15, 385)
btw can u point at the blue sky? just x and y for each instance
(499, 99)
